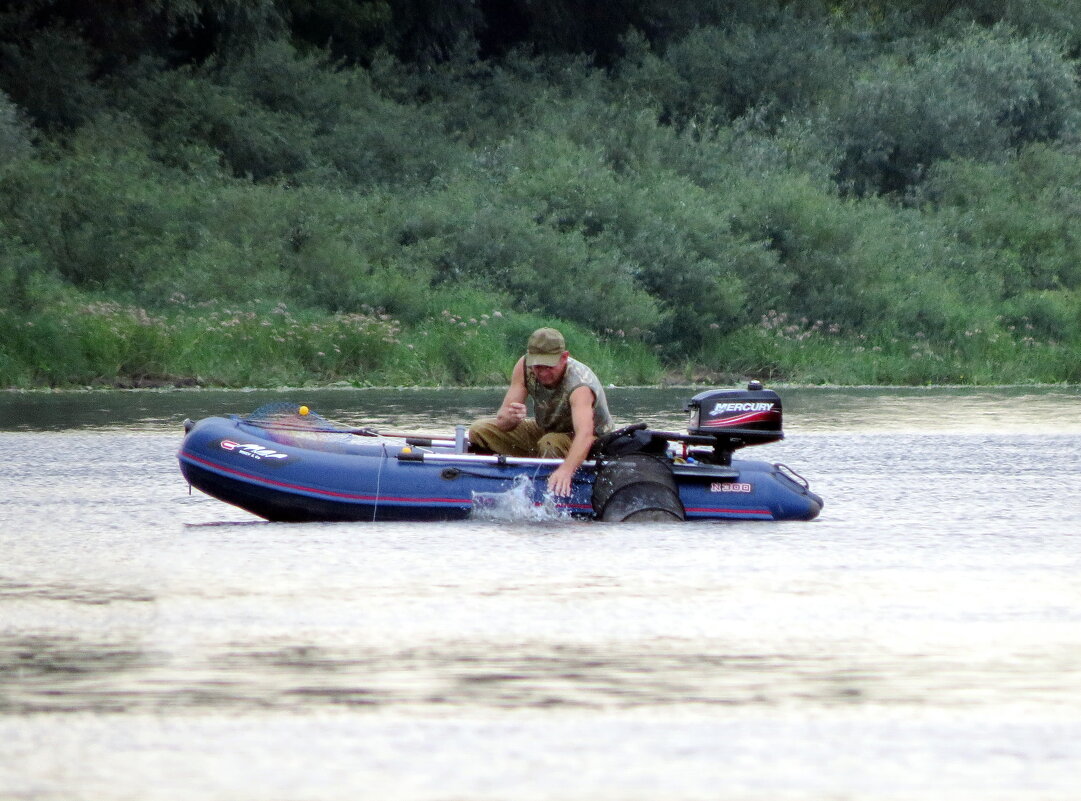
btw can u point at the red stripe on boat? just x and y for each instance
(314, 490)
(713, 511)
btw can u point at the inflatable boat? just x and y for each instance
(291, 465)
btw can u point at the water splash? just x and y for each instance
(517, 503)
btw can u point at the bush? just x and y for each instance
(21, 273)
(274, 114)
(1052, 315)
(1019, 218)
(14, 133)
(676, 206)
(51, 76)
(783, 67)
(184, 109)
(981, 96)
(106, 216)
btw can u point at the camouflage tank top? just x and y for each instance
(552, 405)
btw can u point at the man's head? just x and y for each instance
(546, 355)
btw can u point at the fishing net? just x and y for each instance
(295, 424)
(287, 414)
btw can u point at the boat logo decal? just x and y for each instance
(724, 408)
(728, 486)
(252, 450)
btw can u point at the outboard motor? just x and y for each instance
(735, 418)
(635, 479)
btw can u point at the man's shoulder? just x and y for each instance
(583, 369)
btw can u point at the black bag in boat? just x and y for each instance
(631, 439)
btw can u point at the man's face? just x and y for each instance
(550, 376)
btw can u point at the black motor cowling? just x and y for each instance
(736, 417)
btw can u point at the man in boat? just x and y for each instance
(569, 405)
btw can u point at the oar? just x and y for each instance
(360, 432)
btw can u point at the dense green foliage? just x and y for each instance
(271, 191)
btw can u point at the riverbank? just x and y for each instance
(77, 343)
(108, 344)
(267, 216)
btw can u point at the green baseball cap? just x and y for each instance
(545, 346)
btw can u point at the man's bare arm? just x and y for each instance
(513, 409)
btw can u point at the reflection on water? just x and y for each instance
(63, 674)
(44, 591)
(68, 674)
(995, 410)
(921, 639)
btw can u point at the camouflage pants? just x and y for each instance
(525, 439)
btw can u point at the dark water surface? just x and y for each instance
(920, 640)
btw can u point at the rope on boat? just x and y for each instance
(379, 479)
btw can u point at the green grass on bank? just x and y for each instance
(256, 344)
(104, 343)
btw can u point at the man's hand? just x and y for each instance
(559, 482)
(510, 415)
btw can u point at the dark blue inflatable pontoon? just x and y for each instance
(294, 468)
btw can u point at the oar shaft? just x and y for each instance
(360, 432)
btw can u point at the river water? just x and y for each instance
(920, 640)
